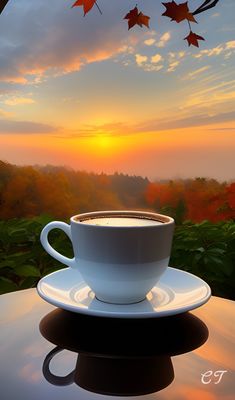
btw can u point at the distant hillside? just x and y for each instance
(30, 191)
(59, 191)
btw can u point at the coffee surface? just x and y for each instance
(121, 221)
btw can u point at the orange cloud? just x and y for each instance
(17, 100)
(31, 373)
(55, 49)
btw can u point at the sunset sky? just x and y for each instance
(88, 93)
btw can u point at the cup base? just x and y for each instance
(121, 303)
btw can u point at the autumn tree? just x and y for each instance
(29, 192)
(231, 197)
(61, 192)
(204, 199)
(168, 198)
(193, 199)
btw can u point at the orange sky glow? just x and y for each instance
(97, 98)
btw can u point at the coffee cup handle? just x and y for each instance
(50, 377)
(70, 262)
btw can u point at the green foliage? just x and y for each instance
(205, 249)
(177, 212)
(23, 261)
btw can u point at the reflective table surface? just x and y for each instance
(49, 353)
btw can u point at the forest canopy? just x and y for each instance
(29, 191)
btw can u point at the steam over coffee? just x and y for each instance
(121, 221)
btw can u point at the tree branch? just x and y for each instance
(98, 7)
(206, 5)
(3, 4)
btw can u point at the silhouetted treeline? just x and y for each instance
(61, 192)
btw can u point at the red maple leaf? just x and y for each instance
(137, 18)
(87, 5)
(143, 20)
(193, 38)
(178, 12)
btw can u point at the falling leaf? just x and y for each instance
(143, 20)
(132, 17)
(137, 18)
(193, 38)
(178, 12)
(87, 5)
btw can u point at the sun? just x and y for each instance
(104, 141)
(104, 144)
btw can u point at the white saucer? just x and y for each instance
(176, 292)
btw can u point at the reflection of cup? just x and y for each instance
(130, 376)
(120, 254)
(112, 363)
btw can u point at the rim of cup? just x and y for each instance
(164, 219)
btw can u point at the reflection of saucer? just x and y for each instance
(176, 292)
(111, 362)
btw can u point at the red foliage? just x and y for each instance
(57, 191)
(86, 4)
(231, 195)
(135, 17)
(193, 38)
(203, 199)
(177, 12)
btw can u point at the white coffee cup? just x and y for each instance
(120, 254)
